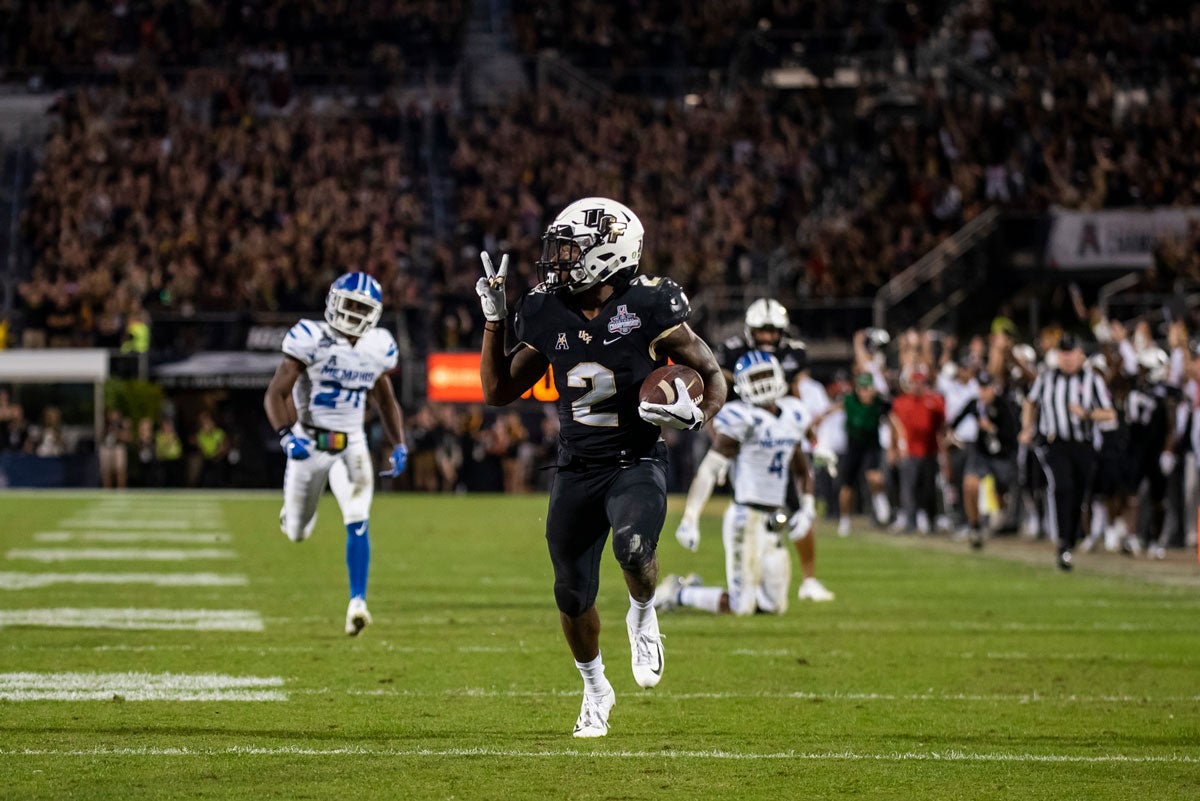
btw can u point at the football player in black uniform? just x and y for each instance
(765, 329)
(602, 329)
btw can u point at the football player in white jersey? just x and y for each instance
(316, 403)
(761, 434)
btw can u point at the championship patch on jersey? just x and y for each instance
(623, 321)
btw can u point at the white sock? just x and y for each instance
(642, 616)
(594, 683)
(883, 509)
(705, 598)
(1099, 518)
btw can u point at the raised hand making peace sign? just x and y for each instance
(490, 288)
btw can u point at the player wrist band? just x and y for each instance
(498, 323)
(283, 431)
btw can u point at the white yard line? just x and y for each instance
(118, 554)
(129, 522)
(161, 619)
(138, 687)
(1034, 697)
(27, 581)
(507, 753)
(179, 538)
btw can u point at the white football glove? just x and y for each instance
(1166, 462)
(824, 457)
(801, 522)
(688, 534)
(490, 289)
(683, 414)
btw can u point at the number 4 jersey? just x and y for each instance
(599, 364)
(332, 392)
(762, 470)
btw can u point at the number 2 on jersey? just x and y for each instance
(334, 391)
(603, 385)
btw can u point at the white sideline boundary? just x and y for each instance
(135, 619)
(506, 753)
(29, 581)
(118, 554)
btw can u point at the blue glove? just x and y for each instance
(298, 448)
(398, 458)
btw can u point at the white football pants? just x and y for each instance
(758, 568)
(349, 475)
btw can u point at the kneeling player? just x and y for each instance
(761, 434)
(316, 404)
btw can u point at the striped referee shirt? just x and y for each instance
(1054, 392)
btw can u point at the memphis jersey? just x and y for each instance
(599, 364)
(763, 467)
(332, 392)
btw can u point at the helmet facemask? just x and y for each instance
(351, 313)
(758, 379)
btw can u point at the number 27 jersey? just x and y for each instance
(332, 392)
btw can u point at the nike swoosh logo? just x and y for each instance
(658, 671)
(688, 420)
(610, 341)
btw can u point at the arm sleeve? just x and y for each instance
(1129, 362)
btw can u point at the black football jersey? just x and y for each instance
(599, 364)
(790, 352)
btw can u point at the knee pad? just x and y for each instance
(632, 548)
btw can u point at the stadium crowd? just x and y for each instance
(227, 190)
(386, 36)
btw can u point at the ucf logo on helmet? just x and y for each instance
(609, 226)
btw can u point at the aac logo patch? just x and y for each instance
(561, 344)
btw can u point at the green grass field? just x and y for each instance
(936, 674)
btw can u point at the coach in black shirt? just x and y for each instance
(1064, 402)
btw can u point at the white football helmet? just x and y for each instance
(765, 313)
(354, 304)
(758, 378)
(589, 242)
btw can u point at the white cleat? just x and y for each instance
(811, 589)
(357, 616)
(646, 654)
(593, 715)
(844, 527)
(666, 596)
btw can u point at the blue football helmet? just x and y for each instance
(758, 378)
(354, 304)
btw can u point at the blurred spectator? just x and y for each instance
(114, 451)
(144, 472)
(920, 419)
(212, 447)
(47, 439)
(137, 333)
(168, 454)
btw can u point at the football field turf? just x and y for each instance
(178, 646)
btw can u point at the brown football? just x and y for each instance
(659, 386)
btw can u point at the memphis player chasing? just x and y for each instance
(761, 434)
(316, 403)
